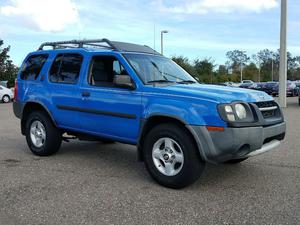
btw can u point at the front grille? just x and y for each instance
(268, 109)
(266, 104)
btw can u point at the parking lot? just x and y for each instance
(94, 183)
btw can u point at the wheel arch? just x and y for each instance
(30, 107)
(156, 119)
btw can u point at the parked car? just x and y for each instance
(115, 91)
(260, 86)
(6, 95)
(291, 89)
(249, 85)
(297, 83)
(247, 82)
(229, 84)
(269, 86)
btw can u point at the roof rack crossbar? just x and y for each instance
(99, 43)
(78, 44)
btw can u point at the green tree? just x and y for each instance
(185, 64)
(292, 65)
(222, 70)
(205, 69)
(8, 71)
(269, 63)
(237, 59)
(251, 72)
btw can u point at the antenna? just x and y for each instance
(154, 34)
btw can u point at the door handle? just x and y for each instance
(86, 94)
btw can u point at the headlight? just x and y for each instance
(240, 111)
(236, 112)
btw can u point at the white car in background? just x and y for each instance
(247, 82)
(6, 95)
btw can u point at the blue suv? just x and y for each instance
(121, 92)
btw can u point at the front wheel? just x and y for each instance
(172, 157)
(43, 138)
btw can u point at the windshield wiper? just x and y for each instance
(162, 73)
(186, 82)
(159, 81)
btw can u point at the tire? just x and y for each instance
(235, 161)
(182, 145)
(40, 127)
(299, 100)
(6, 99)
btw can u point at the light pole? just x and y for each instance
(259, 69)
(283, 54)
(241, 72)
(162, 40)
(272, 69)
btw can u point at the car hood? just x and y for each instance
(219, 94)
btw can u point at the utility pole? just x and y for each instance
(283, 54)
(162, 40)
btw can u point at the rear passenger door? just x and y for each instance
(63, 78)
(107, 110)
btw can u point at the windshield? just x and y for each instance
(153, 68)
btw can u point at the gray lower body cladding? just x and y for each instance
(232, 143)
(18, 109)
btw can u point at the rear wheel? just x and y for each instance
(171, 156)
(5, 99)
(43, 138)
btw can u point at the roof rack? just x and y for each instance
(99, 43)
(79, 44)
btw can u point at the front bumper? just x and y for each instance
(236, 143)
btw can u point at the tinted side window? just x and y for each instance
(32, 67)
(66, 69)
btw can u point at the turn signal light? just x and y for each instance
(211, 128)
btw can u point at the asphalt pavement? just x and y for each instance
(94, 183)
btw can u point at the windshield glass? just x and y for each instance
(153, 68)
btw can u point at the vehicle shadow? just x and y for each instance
(122, 160)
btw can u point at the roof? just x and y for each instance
(97, 44)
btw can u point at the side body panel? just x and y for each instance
(52, 95)
(110, 111)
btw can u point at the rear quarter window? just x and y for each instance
(33, 66)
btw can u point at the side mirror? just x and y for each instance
(124, 81)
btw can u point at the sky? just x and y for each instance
(197, 28)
